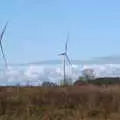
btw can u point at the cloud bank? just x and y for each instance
(36, 74)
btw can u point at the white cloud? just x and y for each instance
(38, 73)
(33, 71)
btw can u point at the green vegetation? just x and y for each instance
(100, 81)
(88, 77)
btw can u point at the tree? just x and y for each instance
(80, 80)
(88, 74)
(48, 84)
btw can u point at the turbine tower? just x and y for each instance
(1, 47)
(65, 57)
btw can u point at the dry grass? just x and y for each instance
(65, 103)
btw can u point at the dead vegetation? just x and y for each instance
(64, 103)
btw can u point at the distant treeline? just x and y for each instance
(101, 81)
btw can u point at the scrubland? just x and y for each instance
(85, 102)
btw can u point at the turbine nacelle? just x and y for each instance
(62, 54)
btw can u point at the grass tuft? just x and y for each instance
(62, 103)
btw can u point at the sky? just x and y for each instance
(37, 29)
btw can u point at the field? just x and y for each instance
(86, 102)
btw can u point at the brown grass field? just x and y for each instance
(63, 103)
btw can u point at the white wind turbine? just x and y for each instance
(65, 57)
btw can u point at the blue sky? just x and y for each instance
(38, 28)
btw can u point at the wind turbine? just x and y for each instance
(1, 47)
(65, 57)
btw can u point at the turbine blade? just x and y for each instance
(1, 47)
(3, 31)
(66, 44)
(68, 59)
(4, 58)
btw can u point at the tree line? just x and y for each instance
(88, 77)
